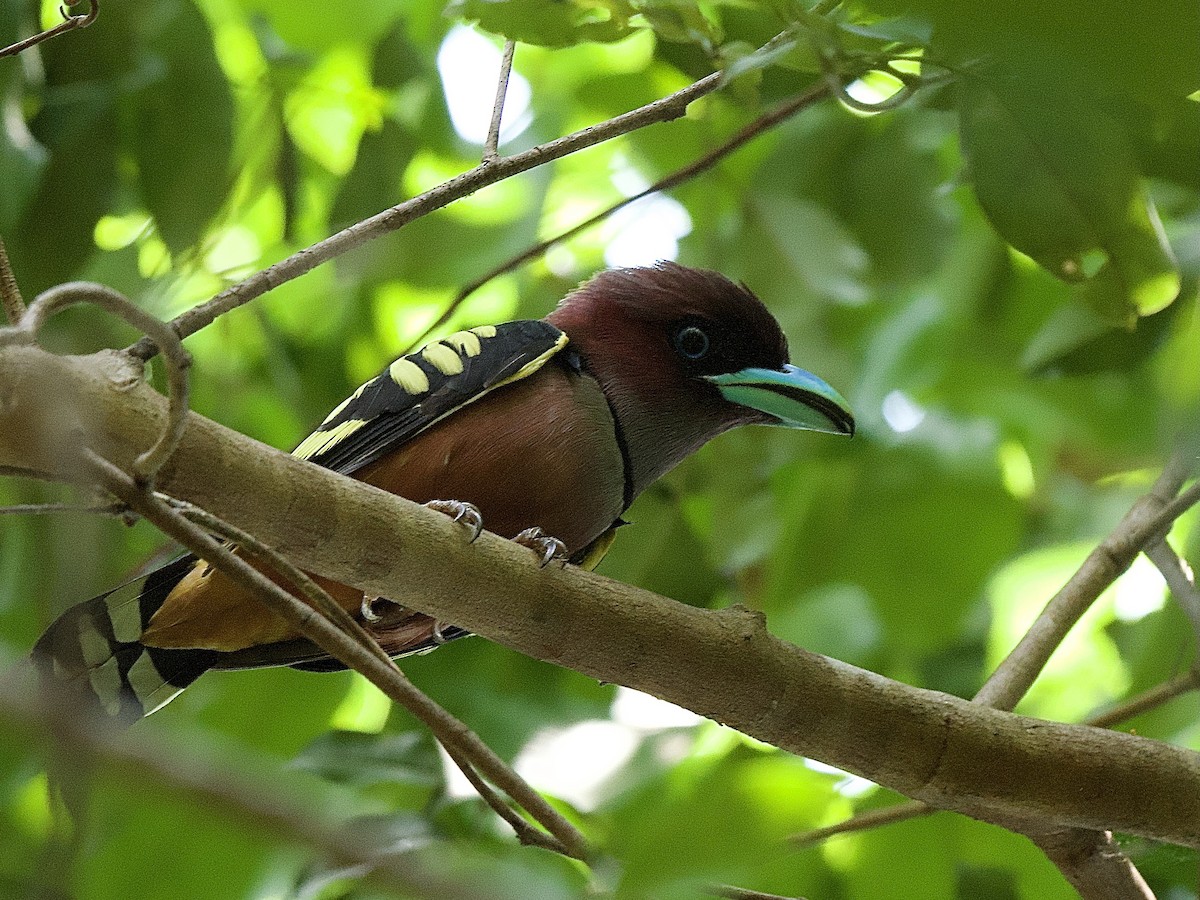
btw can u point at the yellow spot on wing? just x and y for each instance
(320, 441)
(534, 364)
(443, 358)
(484, 331)
(126, 618)
(409, 376)
(464, 342)
(151, 689)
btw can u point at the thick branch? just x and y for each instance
(957, 755)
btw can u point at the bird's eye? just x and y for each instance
(691, 342)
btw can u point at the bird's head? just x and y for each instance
(684, 354)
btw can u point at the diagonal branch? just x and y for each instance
(1004, 768)
(1180, 579)
(465, 748)
(69, 23)
(344, 646)
(662, 110)
(768, 120)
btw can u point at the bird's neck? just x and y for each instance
(659, 418)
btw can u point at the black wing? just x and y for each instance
(424, 387)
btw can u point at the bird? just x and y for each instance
(544, 431)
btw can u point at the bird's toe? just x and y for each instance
(466, 513)
(547, 548)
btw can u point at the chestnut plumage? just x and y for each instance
(558, 423)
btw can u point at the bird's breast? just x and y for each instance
(542, 451)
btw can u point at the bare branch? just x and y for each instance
(464, 746)
(70, 23)
(729, 892)
(954, 754)
(490, 151)
(1094, 865)
(35, 509)
(902, 812)
(662, 110)
(764, 122)
(1180, 580)
(1149, 516)
(10, 292)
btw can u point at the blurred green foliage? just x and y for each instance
(1000, 274)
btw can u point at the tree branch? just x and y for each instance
(768, 120)
(464, 747)
(1114, 555)
(993, 765)
(348, 646)
(662, 110)
(490, 153)
(69, 23)
(1179, 578)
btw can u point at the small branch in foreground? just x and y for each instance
(743, 136)
(10, 292)
(70, 23)
(37, 509)
(463, 746)
(343, 646)
(490, 148)
(662, 110)
(1180, 579)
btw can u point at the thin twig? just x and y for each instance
(1180, 579)
(662, 110)
(1150, 515)
(768, 120)
(70, 23)
(10, 292)
(872, 818)
(175, 356)
(342, 645)
(460, 743)
(1147, 700)
(36, 509)
(490, 149)
(729, 892)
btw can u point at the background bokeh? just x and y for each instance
(986, 272)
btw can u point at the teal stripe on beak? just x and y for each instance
(791, 396)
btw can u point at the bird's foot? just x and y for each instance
(458, 511)
(546, 547)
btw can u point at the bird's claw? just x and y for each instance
(547, 548)
(370, 606)
(458, 511)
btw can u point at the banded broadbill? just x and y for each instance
(555, 424)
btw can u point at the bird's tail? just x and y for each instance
(93, 656)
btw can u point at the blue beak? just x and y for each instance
(792, 397)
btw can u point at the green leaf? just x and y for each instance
(1061, 185)
(183, 172)
(548, 23)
